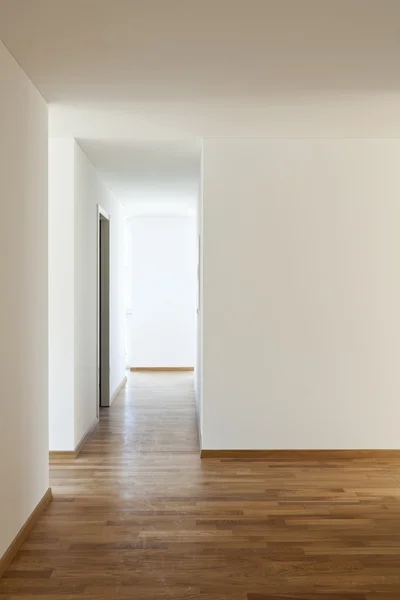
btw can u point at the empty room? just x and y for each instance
(200, 335)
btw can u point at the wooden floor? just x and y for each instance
(139, 516)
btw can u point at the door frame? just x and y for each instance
(102, 215)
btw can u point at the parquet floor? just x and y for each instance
(139, 517)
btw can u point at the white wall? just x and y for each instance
(23, 300)
(198, 372)
(320, 113)
(90, 191)
(75, 191)
(301, 294)
(162, 291)
(61, 293)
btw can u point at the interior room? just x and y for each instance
(199, 311)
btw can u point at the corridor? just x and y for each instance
(139, 516)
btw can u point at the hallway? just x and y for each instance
(139, 516)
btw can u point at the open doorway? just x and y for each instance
(162, 277)
(103, 321)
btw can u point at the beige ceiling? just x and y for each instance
(101, 51)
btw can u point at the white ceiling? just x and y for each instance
(101, 51)
(148, 175)
(187, 69)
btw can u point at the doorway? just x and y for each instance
(161, 290)
(103, 311)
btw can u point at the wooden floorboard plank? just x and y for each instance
(139, 516)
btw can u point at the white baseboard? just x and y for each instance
(119, 388)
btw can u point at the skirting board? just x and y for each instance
(162, 369)
(62, 455)
(199, 431)
(119, 388)
(23, 533)
(73, 454)
(199, 437)
(301, 454)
